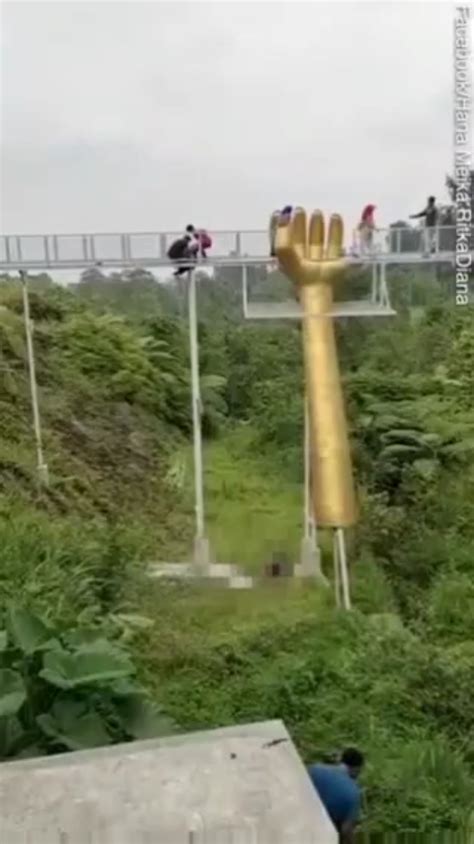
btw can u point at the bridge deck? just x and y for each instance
(292, 310)
(230, 249)
(214, 261)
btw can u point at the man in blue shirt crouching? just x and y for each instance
(339, 792)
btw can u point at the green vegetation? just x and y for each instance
(67, 690)
(243, 488)
(395, 676)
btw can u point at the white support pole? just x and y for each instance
(245, 292)
(337, 573)
(310, 556)
(40, 464)
(307, 474)
(373, 296)
(201, 544)
(344, 574)
(384, 297)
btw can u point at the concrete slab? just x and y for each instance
(241, 581)
(310, 560)
(231, 576)
(171, 570)
(238, 785)
(183, 570)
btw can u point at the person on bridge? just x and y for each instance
(340, 794)
(366, 229)
(179, 251)
(430, 213)
(285, 216)
(203, 242)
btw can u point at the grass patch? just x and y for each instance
(251, 511)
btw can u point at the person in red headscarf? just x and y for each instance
(366, 229)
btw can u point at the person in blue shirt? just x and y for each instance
(339, 792)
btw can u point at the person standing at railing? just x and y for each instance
(430, 234)
(366, 229)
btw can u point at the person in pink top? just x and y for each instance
(366, 229)
(204, 242)
(200, 243)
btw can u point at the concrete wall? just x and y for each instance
(239, 785)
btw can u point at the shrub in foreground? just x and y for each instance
(67, 690)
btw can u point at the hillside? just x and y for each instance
(395, 676)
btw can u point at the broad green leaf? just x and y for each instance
(62, 716)
(142, 719)
(76, 733)
(11, 735)
(87, 666)
(3, 640)
(124, 688)
(27, 631)
(12, 692)
(66, 710)
(80, 638)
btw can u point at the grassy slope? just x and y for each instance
(108, 454)
(251, 512)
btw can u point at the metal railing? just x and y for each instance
(69, 251)
(403, 240)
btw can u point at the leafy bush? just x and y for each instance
(105, 348)
(67, 690)
(65, 567)
(450, 607)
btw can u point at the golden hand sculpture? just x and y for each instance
(314, 267)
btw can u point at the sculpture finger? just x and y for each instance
(290, 242)
(335, 238)
(299, 232)
(316, 236)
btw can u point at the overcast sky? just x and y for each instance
(147, 116)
